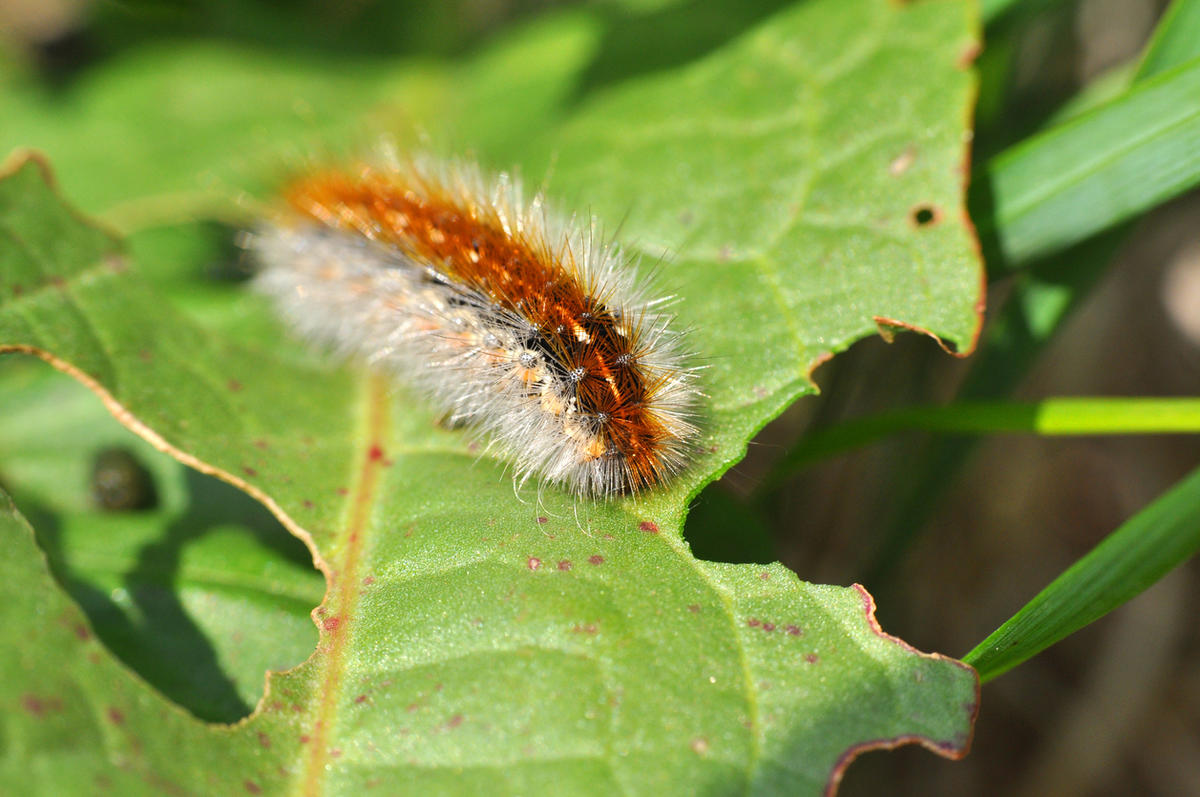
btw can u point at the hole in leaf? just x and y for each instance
(724, 528)
(200, 593)
(925, 215)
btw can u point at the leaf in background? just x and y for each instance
(472, 641)
(198, 589)
(171, 133)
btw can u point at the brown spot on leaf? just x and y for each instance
(234, 385)
(39, 707)
(694, 608)
(331, 624)
(901, 163)
(595, 559)
(700, 745)
(793, 630)
(812, 658)
(252, 787)
(264, 740)
(115, 715)
(648, 526)
(968, 55)
(534, 563)
(33, 705)
(565, 564)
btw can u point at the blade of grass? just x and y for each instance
(1176, 39)
(1051, 417)
(1125, 563)
(1092, 172)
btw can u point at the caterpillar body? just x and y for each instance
(514, 319)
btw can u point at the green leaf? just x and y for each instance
(1125, 563)
(1096, 170)
(470, 638)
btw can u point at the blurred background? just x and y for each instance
(951, 535)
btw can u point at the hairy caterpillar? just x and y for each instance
(516, 320)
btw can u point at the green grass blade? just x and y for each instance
(1176, 39)
(1051, 417)
(1106, 166)
(1128, 561)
